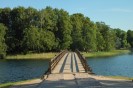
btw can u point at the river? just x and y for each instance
(16, 70)
(121, 65)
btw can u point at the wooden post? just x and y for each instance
(50, 67)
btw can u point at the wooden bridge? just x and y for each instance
(67, 70)
(68, 62)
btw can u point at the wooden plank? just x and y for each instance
(80, 66)
(74, 64)
(67, 67)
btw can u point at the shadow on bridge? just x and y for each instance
(78, 83)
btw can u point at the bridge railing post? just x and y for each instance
(50, 67)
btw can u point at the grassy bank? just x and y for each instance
(33, 56)
(51, 55)
(9, 84)
(104, 54)
(120, 77)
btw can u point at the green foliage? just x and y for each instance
(99, 41)
(38, 40)
(5, 16)
(47, 40)
(89, 35)
(31, 39)
(121, 39)
(3, 46)
(107, 37)
(130, 37)
(51, 29)
(64, 29)
(77, 25)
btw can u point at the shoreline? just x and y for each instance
(9, 84)
(105, 54)
(32, 56)
(50, 55)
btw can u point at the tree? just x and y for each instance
(130, 37)
(63, 29)
(108, 36)
(77, 25)
(37, 40)
(110, 40)
(47, 40)
(30, 17)
(3, 46)
(100, 41)
(5, 17)
(121, 38)
(89, 35)
(47, 20)
(31, 40)
(17, 27)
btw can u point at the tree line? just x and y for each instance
(24, 30)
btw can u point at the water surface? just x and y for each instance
(113, 66)
(16, 70)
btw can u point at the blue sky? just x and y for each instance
(116, 13)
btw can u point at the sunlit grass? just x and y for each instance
(33, 56)
(51, 55)
(120, 77)
(6, 85)
(9, 84)
(104, 54)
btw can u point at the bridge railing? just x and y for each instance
(84, 62)
(54, 61)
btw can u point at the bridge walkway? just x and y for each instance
(69, 63)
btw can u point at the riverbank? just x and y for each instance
(33, 56)
(51, 55)
(120, 77)
(9, 84)
(105, 54)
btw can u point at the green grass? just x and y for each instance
(6, 85)
(51, 55)
(120, 77)
(9, 84)
(104, 54)
(33, 56)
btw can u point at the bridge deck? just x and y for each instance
(76, 80)
(69, 63)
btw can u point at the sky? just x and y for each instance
(115, 13)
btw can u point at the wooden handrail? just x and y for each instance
(84, 62)
(54, 61)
